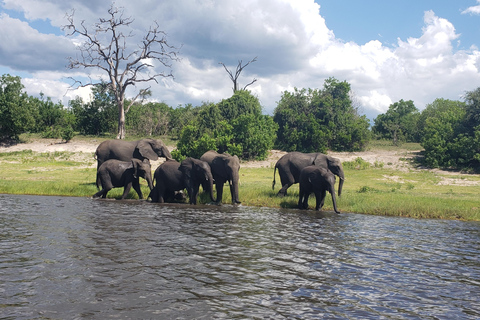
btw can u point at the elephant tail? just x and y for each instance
(97, 181)
(273, 183)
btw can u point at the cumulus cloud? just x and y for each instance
(24, 48)
(473, 9)
(290, 38)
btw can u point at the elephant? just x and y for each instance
(173, 176)
(317, 180)
(290, 165)
(126, 150)
(115, 173)
(224, 168)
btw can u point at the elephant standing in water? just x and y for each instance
(317, 180)
(290, 165)
(224, 168)
(173, 176)
(115, 173)
(127, 150)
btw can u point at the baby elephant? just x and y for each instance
(115, 173)
(317, 180)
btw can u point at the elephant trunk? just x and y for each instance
(210, 184)
(148, 177)
(340, 183)
(167, 154)
(234, 188)
(334, 201)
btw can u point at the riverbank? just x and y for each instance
(383, 180)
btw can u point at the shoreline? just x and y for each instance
(391, 186)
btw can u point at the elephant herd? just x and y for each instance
(121, 163)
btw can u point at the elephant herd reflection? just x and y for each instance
(121, 163)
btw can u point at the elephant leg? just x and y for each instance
(305, 200)
(324, 194)
(126, 190)
(153, 194)
(102, 193)
(320, 199)
(161, 194)
(283, 191)
(137, 188)
(219, 186)
(192, 195)
(301, 198)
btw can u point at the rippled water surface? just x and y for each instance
(71, 258)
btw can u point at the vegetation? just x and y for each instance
(369, 189)
(319, 120)
(105, 49)
(399, 123)
(235, 125)
(305, 120)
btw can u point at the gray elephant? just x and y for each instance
(127, 150)
(317, 180)
(115, 173)
(224, 168)
(173, 176)
(290, 165)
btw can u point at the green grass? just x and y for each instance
(368, 189)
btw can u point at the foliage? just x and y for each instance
(234, 125)
(17, 110)
(149, 119)
(98, 116)
(255, 134)
(447, 142)
(399, 123)
(318, 120)
(105, 49)
(357, 164)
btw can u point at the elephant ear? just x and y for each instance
(144, 146)
(186, 167)
(220, 166)
(313, 176)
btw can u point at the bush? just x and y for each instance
(17, 110)
(318, 120)
(234, 125)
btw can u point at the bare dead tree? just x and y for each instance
(239, 70)
(105, 49)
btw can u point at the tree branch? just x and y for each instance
(238, 71)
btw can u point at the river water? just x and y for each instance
(77, 258)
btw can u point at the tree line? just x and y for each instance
(305, 120)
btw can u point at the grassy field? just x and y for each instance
(368, 189)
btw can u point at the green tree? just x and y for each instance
(97, 116)
(234, 125)
(148, 119)
(443, 132)
(255, 134)
(399, 123)
(318, 120)
(17, 109)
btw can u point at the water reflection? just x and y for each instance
(83, 258)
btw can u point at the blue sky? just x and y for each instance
(387, 50)
(389, 20)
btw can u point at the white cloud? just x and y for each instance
(473, 9)
(24, 48)
(293, 46)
